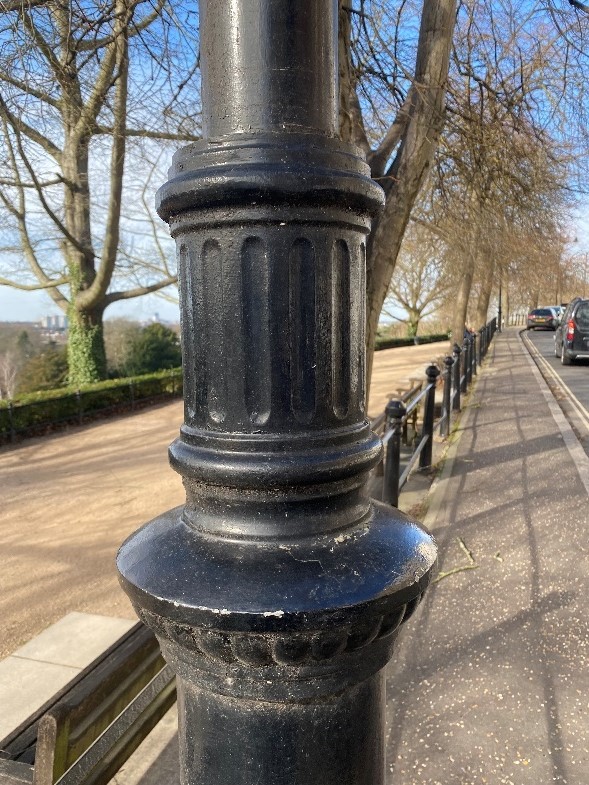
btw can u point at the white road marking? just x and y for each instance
(573, 445)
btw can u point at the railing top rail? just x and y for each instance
(416, 401)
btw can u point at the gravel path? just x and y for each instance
(67, 502)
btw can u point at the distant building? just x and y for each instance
(55, 323)
(54, 328)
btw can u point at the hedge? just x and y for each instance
(40, 411)
(391, 343)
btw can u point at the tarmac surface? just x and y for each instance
(490, 679)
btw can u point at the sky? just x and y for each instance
(21, 306)
(18, 306)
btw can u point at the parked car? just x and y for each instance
(571, 338)
(542, 317)
(558, 310)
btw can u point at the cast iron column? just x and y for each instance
(278, 589)
(456, 352)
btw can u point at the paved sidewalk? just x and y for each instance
(490, 681)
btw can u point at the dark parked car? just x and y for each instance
(572, 335)
(542, 317)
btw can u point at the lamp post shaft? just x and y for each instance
(278, 589)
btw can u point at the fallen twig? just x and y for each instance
(472, 565)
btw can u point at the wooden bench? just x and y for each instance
(85, 733)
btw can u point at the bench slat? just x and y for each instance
(20, 743)
(108, 753)
(114, 703)
(15, 773)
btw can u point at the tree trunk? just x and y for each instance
(462, 297)
(485, 293)
(412, 323)
(85, 348)
(403, 179)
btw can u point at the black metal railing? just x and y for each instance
(74, 407)
(457, 376)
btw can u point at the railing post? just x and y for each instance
(456, 352)
(448, 365)
(277, 590)
(470, 359)
(425, 459)
(465, 364)
(395, 412)
(474, 353)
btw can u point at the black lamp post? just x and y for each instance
(278, 589)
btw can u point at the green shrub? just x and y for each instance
(44, 371)
(38, 411)
(391, 343)
(153, 348)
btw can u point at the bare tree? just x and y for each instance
(84, 91)
(394, 110)
(10, 364)
(509, 95)
(420, 281)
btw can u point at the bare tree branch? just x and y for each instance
(129, 294)
(147, 133)
(20, 126)
(33, 287)
(579, 6)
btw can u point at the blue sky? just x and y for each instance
(21, 306)
(32, 306)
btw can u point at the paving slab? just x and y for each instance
(40, 668)
(75, 640)
(25, 685)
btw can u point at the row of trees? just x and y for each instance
(27, 365)
(496, 204)
(470, 113)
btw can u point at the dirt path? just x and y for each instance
(68, 501)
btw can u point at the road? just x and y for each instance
(569, 383)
